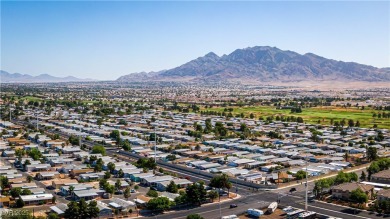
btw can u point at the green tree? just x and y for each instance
(110, 189)
(127, 193)
(29, 178)
(300, 175)
(19, 203)
(118, 184)
(53, 216)
(363, 176)
(208, 126)
(121, 174)
(373, 168)
(99, 122)
(221, 182)
(358, 196)
(213, 195)
(146, 163)
(99, 149)
(196, 193)
(71, 190)
(35, 154)
(372, 153)
(160, 204)
(351, 123)
(115, 134)
(111, 167)
(82, 210)
(194, 216)
(4, 182)
(152, 193)
(107, 175)
(126, 145)
(172, 187)
(26, 192)
(152, 137)
(345, 177)
(15, 192)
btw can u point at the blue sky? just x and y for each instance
(104, 40)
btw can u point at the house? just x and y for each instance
(86, 194)
(58, 183)
(343, 191)
(59, 209)
(383, 195)
(60, 161)
(8, 153)
(141, 200)
(121, 205)
(136, 177)
(36, 199)
(24, 185)
(240, 162)
(69, 168)
(104, 210)
(77, 172)
(170, 196)
(38, 167)
(37, 191)
(76, 187)
(124, 184)
(181, 183)
(128, 172)
(47, 175)
(152, 181)
(91, 176)
(381, 177)
(4, 201)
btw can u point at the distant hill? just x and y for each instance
(6, 77)
(264, 64)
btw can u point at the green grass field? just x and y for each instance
(28, 98)
(312, 115)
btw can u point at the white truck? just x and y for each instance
(230, 217)
(272, 207)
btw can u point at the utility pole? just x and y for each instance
(10, 113)
(155, 146)
(220, 212)
(37, 122)
(307, 186)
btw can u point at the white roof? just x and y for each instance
(36, 197)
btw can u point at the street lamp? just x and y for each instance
(155, 145)
(306, 186)
(220, 212)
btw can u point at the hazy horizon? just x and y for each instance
(105, 40)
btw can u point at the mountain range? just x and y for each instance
(6, 77)
(264, 64)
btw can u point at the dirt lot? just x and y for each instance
(278, 214)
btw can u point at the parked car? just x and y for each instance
(132, 191)
(293, 190)
(119, 192)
